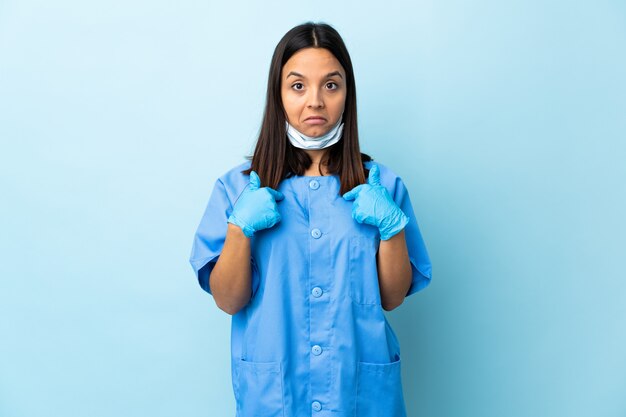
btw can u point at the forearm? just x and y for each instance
(230, 279)
(394, 271)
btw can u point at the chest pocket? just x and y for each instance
(364, 288)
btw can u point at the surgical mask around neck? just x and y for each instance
(302, 141)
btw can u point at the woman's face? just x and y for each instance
(313, 90)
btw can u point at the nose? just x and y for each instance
(315, 99)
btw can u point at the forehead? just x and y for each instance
(312, 62)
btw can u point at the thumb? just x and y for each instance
(351, 195)
(374, 176)
(255, 181)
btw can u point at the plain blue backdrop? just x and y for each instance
(505, 119)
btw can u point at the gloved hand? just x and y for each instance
(256, 208)
(373, 205)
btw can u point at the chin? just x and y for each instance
(317, 131)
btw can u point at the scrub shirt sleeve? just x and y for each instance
(418, 255)
(210, 236)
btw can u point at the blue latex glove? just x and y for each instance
(256, 208)
(373, 205)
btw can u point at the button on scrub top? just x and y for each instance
(313, 339)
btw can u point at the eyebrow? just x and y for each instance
(330, 74)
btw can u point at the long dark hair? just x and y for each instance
(274, 157)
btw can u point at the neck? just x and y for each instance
(316, 155)
(318, 164)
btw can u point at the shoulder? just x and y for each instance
(388, 177)
(234, 175)
(234, 181)
(385, 171)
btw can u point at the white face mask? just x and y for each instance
(300, 140)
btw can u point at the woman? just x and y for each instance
(307, 243)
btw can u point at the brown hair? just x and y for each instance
(274, 157)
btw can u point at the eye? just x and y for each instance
(297, 84)
(333, 83)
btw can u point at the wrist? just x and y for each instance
(238, 226)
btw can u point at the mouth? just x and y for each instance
(315, 120)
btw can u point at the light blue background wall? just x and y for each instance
(506, 120)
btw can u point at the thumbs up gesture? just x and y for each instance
(374, 206)
(256, 207)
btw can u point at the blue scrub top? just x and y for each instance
(313, 340)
